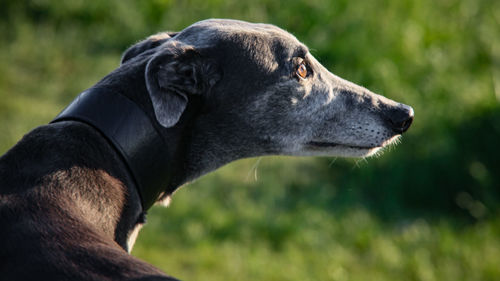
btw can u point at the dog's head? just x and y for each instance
(260, 92)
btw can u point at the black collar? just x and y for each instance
(132, 134)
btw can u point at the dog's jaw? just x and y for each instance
(344, 150)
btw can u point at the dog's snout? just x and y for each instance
(400, 118)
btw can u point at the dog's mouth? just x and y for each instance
(325, 148)
(320, 144)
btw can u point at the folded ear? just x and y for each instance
(174, 74)
(151, 42)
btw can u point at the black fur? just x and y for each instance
(218, 91)
(66, 206)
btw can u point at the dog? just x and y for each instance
(74, 193)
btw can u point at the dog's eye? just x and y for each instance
(302, 70)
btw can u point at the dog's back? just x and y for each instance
(48, 205)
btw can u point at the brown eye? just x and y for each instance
(302, 71)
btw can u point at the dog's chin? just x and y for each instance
(314, 148)
(339, 151)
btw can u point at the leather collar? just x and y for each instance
(131, 133)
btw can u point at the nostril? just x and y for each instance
(406, 124)
(401, 119)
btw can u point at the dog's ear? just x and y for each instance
(151, 42)
(175, 73)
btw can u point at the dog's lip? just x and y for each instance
(332, 144)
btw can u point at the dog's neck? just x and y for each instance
(185, 148)
(194, 143)
(115, 122)
(139, 147)
(131, 133)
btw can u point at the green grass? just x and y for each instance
(230, 226)
(375, 254)
(426, 210)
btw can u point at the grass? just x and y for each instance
(427, 209)
(229, 226)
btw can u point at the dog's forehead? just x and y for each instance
(210, 33)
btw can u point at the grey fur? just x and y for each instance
(218, 91)
(261, 108)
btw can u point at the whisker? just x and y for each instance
(332, 162)
(254, 169)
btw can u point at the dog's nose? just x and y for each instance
(401, 118)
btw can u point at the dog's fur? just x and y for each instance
(218, 91)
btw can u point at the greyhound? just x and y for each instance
(74, 193)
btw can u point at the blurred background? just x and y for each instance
(426, 210)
